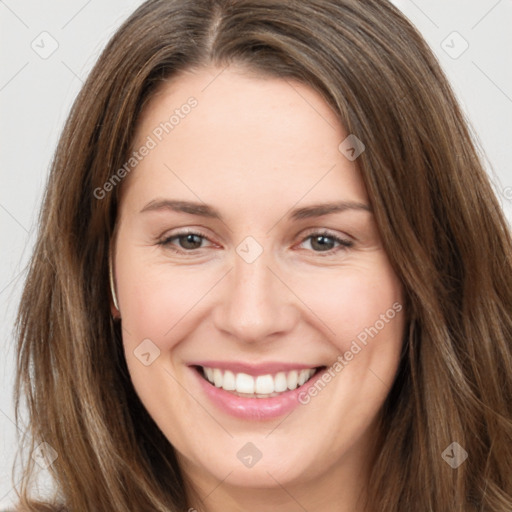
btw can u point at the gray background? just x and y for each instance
(37, 88)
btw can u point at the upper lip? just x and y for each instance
(270, 367)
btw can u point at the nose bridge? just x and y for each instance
(256, 304)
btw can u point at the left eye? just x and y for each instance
(325, 241)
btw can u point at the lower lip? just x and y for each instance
(255, 408)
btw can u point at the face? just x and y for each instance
(229, 268)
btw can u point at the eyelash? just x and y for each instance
(343, 244)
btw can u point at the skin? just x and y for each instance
(254, 148)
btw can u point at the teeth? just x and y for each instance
(292, 380)
(229, 382)
(280, 382)
(264, 384)
(217, 378)
(303, 377)
(261, 386)
(244, 383)
(208, 373)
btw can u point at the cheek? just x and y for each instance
(157, 300)
(351, 301)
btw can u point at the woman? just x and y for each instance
(271, 274)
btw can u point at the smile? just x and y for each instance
(261, 386)
(255, 393)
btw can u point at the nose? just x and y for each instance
(255, 303)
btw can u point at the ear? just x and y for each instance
(114, 305)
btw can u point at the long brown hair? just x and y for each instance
(440, 223)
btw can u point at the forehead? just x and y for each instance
(255, 136)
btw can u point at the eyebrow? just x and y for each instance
(317, 210)
(204, 210)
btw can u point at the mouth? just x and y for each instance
(267, 385)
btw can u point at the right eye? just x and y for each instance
(188, 240)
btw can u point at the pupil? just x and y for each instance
(189, 239)
(321, 241)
